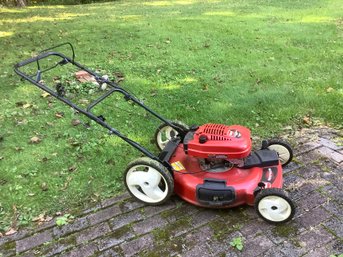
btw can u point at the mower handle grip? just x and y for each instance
(45, 53)
(34, 59)
(56, 46)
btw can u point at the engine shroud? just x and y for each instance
(217, 141)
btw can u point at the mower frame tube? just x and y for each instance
(87, 112)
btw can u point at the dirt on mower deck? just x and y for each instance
(122, 227)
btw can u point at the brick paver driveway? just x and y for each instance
(123, 227)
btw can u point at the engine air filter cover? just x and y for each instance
(224, 142)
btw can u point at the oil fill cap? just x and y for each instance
(203, 139)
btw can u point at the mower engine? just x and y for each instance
(218, 147)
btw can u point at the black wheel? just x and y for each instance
(283, 149)
(164, 133)
(274, 206)
(148, 181)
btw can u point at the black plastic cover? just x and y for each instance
(189, 136)
(215, 193)
(169, 149)
(261, 158)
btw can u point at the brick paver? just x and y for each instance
(121, 226)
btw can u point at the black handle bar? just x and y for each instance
(43, 54)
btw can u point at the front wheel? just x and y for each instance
(274, 206)
(148, 181)
(283, 149)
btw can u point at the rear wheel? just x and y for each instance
(274, 206)
(164, 133)
(283, 149)
(148, 181)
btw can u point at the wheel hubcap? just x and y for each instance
(146, 183)
(282, 152)
(274, 208)
(165, 135)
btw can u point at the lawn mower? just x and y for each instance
(212, 165)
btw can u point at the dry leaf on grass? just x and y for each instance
(45, 94)
(75, 122)
(330, 89)
(25, 106)
(72, 168)
(42, 218)
(84, 76)
(44, 186)
(11, 231)
(35, 140)
(84, 101)
(307, 120)
(59, 115)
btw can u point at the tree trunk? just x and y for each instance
(20, 3)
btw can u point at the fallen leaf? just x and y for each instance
(65, 185)
(119, 74)
(1, 158)
(120, 80)
(72, 168)
(84, 76)
(44, 186)
(75, 122)
(45, 94)
(40, 218)
(288, 128)
(58, 213)
(18, 148)
(59, 115)
(307, 120)
(25, 106)
(11, 231)
(22, 122)
(75, 143)
(48, 218)
(30, 194)
(330, 89)
(35, 140)
(83, 101)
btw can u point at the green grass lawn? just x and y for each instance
(262, 64)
